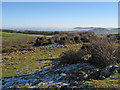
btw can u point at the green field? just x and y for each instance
(6, 35)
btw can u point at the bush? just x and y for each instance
(40, 41)
(85, 39)
(100, 52)
(57, 38)
(77, 39)
(103, 52)
(68, 57)
(64, 40)
(51, 41)
(72, 56)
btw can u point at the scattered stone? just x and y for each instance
(68, 75)
(75, 83)
(107, 71)
(36, 82)
(63, 74)
(118, 69)
(94, 74)
(52, 87)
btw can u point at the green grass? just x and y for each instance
(111, 82)
(16, 39)
(6, 35)
(26, 61)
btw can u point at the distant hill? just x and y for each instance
(100, 31)
(97, 30)
(83, 28)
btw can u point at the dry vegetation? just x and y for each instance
(103, 52)
(100, 52)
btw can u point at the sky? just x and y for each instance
(59, 14)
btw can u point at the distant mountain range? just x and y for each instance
(97, 30)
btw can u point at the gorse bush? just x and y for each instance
(68, 57)
(103, 52)
(72, 56)
(85, 39)
(66, 38)
(40, 41)
(77, 39)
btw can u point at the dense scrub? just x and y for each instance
(114, 37)
(60, 37)
(103, 52)
(73, 56)
(41, 41)
(70, 38)
(100, 52)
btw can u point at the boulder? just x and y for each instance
(94, 74)
(107, 71)
(118, 69)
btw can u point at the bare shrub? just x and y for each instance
(103, 52)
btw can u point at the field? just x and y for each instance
(26, 62)
(15, 41)
(6, 35)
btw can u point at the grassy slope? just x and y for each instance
(16, 39)
(26, 61)
(20, 60)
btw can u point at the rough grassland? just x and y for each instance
(25, 62)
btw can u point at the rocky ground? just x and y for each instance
(61, 76)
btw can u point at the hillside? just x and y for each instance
(97, 31)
